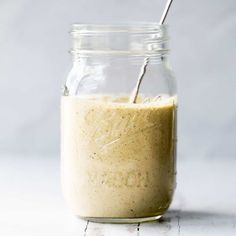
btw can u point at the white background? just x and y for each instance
(34, 62)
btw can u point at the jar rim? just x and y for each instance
(132, 27)
(130, 38)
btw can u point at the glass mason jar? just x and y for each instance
(118, 156)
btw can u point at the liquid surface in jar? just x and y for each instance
(118, 159)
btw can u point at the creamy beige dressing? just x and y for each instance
(118, 159)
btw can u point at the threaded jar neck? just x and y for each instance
(139, 39)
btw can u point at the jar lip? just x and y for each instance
(132, 27)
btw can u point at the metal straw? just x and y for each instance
(134, 94)
(165, 12)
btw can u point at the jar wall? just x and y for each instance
(118, 75)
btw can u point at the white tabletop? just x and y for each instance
(31, 202)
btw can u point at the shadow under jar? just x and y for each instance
(118, 158)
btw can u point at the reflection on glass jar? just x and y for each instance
(117, 157)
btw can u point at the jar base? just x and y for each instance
(121, 220)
